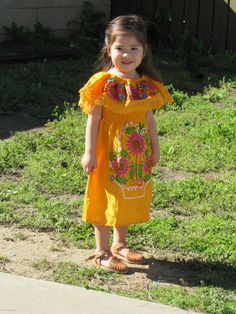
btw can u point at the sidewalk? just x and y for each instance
(22, 295)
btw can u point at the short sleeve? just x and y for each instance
(91, 92)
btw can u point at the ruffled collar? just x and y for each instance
(118, 94)
(121, 89)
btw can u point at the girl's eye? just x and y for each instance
(134, 48)
(118, 48)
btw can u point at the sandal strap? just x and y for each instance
(134, 256)
(119, 246)
(131, 255)
(100, 255)
(115, 263)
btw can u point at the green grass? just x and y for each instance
(193, 217)
(210, 238)
(205, 298)
(196, 195)
(209, 131)
(51, 84)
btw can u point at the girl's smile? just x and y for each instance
(126, 54)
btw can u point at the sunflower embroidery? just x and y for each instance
(147, 164)
(135, 143)
(120, 166)
(130, 160)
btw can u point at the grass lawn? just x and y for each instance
(193, 227)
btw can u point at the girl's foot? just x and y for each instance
(121, 251)
(105, 260)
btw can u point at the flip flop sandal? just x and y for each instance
(115, 264)
(132, 257)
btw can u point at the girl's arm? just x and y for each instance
(155, 147)
(88, 161)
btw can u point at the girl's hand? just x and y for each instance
(88, 162)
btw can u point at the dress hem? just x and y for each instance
(115, 225)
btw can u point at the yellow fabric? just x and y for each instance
(119, 190)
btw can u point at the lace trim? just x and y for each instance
(92, 94)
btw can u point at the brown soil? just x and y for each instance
(22, 249)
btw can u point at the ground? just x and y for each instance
(24, 248)
(36, 254)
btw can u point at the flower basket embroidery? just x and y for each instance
(129, 160)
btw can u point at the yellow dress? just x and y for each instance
(119, 190)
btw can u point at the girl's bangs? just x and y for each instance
(139, 36)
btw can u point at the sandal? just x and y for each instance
(115, 264)
(131, 257)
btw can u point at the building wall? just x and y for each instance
(50, 13)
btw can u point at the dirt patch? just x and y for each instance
(167, 174)
(67, 198)
(10, 177)
(21, 249)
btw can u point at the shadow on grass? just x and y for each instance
(16, 122)
(189, 273)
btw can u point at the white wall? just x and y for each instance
(50, 13)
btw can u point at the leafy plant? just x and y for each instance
(179, 99)
(35, 39)
(88, 31)
(17, 34)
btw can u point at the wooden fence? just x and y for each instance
(214, 21)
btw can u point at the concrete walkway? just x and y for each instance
(22, 295)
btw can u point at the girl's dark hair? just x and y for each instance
(131, 25)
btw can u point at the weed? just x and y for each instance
(42, 265)
(21, 236)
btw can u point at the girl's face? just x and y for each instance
(126, 54)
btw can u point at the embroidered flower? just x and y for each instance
(136, 143)
(132, 182)
(139, 182)
(115, 90)
(121, 90)
(120, 166)
(147, 164)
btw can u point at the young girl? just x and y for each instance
(121, 145)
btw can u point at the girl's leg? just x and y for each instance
(119, 236)
(102, 234)
(129, 255)
(108, 261)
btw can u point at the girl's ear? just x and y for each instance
(109, 51)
